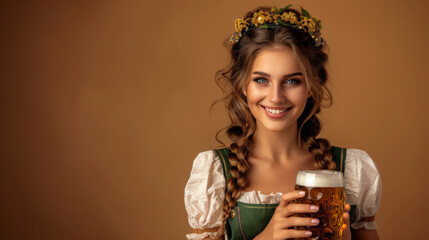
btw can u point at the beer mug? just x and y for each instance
(325, 189)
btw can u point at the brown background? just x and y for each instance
(105, 104)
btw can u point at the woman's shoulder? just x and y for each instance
(206, 171)
(358, 154)
(360, 160)
(205, 159)
(360, 166)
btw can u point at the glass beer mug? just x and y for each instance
(325, 189)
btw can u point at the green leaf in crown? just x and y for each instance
(305, 13)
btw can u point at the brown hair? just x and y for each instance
(240, 131)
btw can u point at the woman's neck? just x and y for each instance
(279, 147)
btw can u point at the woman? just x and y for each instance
(278, 80)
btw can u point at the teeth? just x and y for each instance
(275, 111)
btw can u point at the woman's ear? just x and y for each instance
(308, 93)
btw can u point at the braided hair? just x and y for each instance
(243, 125)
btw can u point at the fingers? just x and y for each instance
(287, 234)
(347, 207)
(296, 221)
(298, 208)
(286, 209)
(287, 197)
(293, 195)
(346, 217)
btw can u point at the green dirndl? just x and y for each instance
(248, 219)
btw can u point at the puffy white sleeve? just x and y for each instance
(362, 184)
(205, 194)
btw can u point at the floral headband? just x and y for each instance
(279, 16)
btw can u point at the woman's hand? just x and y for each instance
(283, 219)
(347, 235)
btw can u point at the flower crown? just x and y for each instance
(279, 16)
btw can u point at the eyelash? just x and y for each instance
(259, 80)
(296, 81)
(264, 81)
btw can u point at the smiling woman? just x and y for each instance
(277, 78)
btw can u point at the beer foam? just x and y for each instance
(320, 178)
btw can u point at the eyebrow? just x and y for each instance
(285, 76)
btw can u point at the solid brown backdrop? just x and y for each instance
(105, 104)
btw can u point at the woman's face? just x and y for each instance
(276, 92)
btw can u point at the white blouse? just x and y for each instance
(205, 191)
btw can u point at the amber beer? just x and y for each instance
(323, 188)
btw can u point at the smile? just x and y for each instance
(276, 110)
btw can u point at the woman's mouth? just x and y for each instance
(276, 112)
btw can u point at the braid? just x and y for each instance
(239, 168)
(320, 147)
(309, 129)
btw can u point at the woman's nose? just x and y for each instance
(277, 94)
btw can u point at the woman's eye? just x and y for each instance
(260, 80)
(293, 81)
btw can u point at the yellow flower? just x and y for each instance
(261, 17)
(309, 23)
(289, 17)
(241, 24)
(276, 17)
